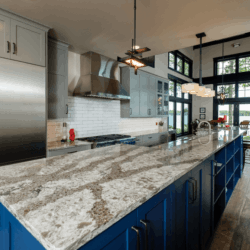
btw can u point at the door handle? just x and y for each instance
(146, 233)
(192, 201)
(14, 48)
(8, 47)
(196, 187)
(67, 110)
(138, 237)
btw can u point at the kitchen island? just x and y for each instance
(66, 201)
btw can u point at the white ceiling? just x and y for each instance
(106, 26)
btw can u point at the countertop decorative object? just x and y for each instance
(60, 145)
(65, 201)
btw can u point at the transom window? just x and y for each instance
(226, 67)
(233, 64)
(180, 63)
(244, 64)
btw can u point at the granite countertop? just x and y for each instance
(153, 131)
(67, 200)
(61, 145)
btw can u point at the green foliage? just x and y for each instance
(246, 138)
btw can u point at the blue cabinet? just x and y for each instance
(120, 236)
(206, 197)
(13, 235)
(155, 219)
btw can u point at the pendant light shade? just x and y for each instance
(193, 88)
(201, 91)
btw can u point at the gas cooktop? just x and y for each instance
(104, 138)
(108, 140)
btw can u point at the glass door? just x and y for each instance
(186, 118)
(228, 110)
(179, 118)
(171, 115)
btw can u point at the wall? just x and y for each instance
(93, 116)
(202, 102)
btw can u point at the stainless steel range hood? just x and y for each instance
(99, 78)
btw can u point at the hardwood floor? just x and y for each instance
(233, 232)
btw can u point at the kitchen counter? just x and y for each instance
(65, 201)
(61, 145)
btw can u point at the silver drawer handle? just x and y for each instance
(146, 233)
(138, 236)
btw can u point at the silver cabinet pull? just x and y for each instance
(196, 187)
(14, 48)
(67, 110)
(146, 233)
(8, 47)
(192, 201)
(138, 236)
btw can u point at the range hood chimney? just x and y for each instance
(100, 78)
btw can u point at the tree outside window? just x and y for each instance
(228, 65)
(179, 64)
(171, 88)
(186, 69)
(171, 60)
(244, 64)
(244, 90)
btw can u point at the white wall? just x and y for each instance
(202, 102)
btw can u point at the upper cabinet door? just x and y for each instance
(5, 45)
(28, 43)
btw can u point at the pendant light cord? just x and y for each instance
(201, 61)
(134, 24)
(222, 63)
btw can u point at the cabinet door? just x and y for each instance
(134, 95)
(206, 202)
(194, 209)
(5, 45)
(155, 220)
(120, 236)
(152, 96)
(144, 97)
(56, 97)
(181, 208)
(28, 43)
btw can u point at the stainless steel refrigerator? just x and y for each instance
(22, 112)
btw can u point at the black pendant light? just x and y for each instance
(221, 94)
(134, 58)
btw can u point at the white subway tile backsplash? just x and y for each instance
(93, 117)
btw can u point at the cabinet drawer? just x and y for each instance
(68, 150)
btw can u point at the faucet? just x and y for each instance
(209, 126)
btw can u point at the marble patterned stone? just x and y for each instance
(67, 200)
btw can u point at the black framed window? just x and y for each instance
(232, 64)
(171, 88)
(244, 90)
(171, 62)
(180, 107)
(226, 67)
(228, 88)
(180, 63)
(244, 64)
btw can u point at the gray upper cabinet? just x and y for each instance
(28, 43)
(162, 97)
(5, 42)
(143, 93)
(57, 80)
(22, 40)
